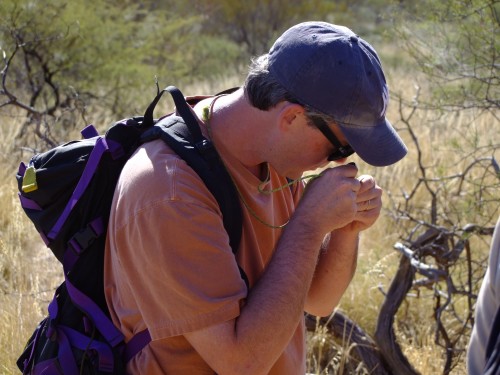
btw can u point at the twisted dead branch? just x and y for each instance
(384, 333)
(349, 334)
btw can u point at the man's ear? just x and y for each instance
(289, 113)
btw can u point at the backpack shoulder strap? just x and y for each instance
(184, 136)
(203, 158)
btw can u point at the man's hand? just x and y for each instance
(338, 199)
(369, 201)
(337, 263)
(331, 201)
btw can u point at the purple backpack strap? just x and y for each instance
(29, 203)
(68, 338)
(98, 151)
(89, 132)
(136, 344)
(82, 342)
(98, 317)
(64, 354)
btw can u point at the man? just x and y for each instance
(486, 316)
(319, 95)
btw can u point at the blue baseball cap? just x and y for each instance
(334, 71)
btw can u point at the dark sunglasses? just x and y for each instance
(340, 152)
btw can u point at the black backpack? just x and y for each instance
(67, 193)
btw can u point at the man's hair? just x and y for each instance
(264, 92)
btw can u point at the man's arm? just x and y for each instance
(337, 261)
(251, 343)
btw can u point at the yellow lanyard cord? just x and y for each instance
(290, 183)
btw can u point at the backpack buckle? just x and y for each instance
(82, 239)
(207, 150)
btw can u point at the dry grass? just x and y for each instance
(29, 272)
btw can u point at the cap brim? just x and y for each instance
(378, 145)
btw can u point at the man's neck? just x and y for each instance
(238, 126)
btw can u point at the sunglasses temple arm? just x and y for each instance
(323, 127)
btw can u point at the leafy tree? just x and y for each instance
(66, 62)
(253, 25)
(456, 45)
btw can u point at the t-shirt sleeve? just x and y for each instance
(174, 253)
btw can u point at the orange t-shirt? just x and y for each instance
(168, 263)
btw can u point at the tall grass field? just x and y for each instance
(29, 272)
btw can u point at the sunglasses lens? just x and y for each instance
(341, 153)
(334, 156)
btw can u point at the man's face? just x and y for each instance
(308, 148)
